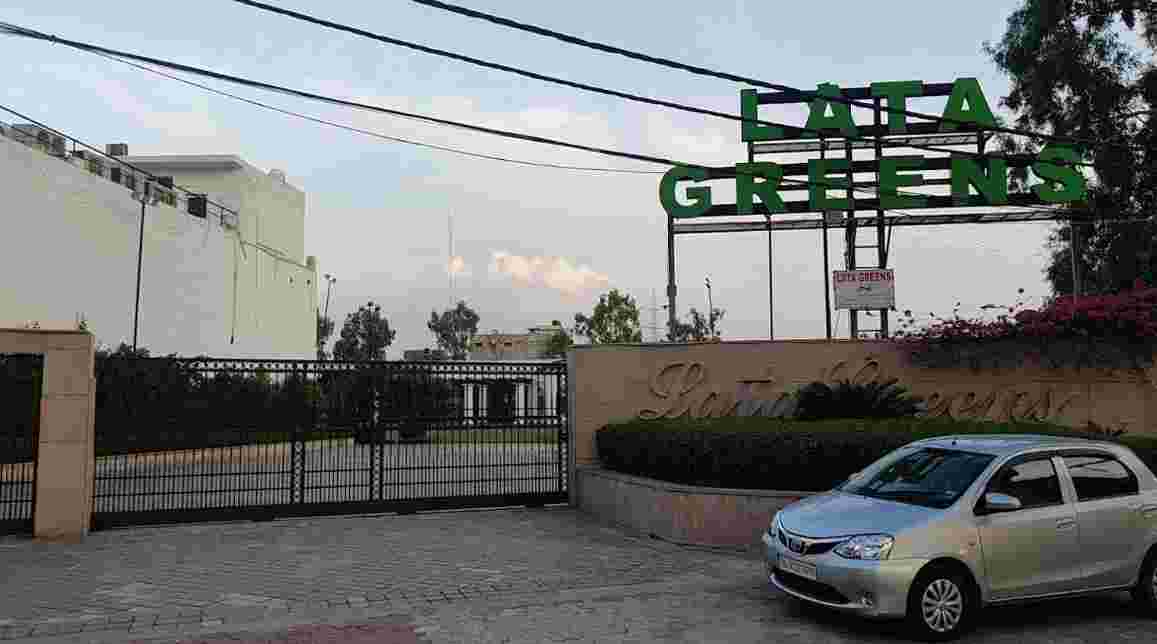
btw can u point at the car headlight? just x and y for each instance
(874, 547)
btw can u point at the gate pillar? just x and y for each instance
(65, 449)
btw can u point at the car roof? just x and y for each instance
(1006, 444)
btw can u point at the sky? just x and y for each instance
(532, 244)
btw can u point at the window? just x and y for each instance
(1100, 477)
(1034, 483)
(930, 477)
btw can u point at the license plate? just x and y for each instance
(796, 567)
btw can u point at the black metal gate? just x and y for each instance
(180, 440)
(20, 386)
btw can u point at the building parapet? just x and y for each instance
(144, 186)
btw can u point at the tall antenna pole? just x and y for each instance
(450, 262)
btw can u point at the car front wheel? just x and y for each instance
(1145, 592)
(940, 605)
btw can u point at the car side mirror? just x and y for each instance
(848, 480)
(994, 502)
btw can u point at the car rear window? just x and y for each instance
(1100, 477)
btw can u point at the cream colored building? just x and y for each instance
(222, 283)
(496, 346)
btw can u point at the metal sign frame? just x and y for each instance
(965, 140)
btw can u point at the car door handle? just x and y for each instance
(1066, 524)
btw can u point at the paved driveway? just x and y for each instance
(521, 576)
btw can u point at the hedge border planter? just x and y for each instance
(713, 517)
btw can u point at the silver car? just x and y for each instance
(941, 527)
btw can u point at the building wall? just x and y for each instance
(70, 249)
(512, 346)
(276, 283)
(500, 346)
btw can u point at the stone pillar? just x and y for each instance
(65, 450)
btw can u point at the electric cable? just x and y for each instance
(108, 52)
(97, 49)
(593, 88)
(378, 135)
(151, 176)
(703, 71)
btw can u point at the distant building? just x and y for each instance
(222, 282)
(531, 345)
(424, 355)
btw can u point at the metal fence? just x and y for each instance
(20, 386)
(193, 439)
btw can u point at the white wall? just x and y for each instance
(69, 247)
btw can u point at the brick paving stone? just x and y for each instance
(478, 577)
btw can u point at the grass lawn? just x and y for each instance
(517, 435)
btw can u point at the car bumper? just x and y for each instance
(877, 589)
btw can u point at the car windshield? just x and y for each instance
(927, 476)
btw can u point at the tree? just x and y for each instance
(1075, 75)
(324, 332)
(614, 320)
(557, 344)
(697, 330)
(124, 350)
(454, 329)
(365, 335)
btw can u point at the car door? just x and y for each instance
(1109, 518)
(1033, 550)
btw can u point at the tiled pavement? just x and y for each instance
(521, 576)
(144, 580)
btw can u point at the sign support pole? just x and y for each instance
(881, 248)
(1073, 255)
(827, 268)
(770, 265)
(850, 236)
(671, 311)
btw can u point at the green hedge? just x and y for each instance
(779, 454)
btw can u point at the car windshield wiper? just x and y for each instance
(889, 493)
(914, 496)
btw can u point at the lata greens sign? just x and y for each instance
(966, 110)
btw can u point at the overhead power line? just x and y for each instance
(36, 35)
(138, 170)
(703, 71)
(395, 139)
(297, 15)
(83, 46)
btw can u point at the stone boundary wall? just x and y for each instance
(615, 383)
(685, 514)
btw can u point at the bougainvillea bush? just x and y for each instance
(1102, 331)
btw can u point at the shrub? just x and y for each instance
(762, 453)
(845, 399)
(1113, 331)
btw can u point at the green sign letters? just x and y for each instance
(966, 105)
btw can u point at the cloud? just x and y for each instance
(552, 272)
(457, 266)
(187, 124)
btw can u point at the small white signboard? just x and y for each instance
(865, 289)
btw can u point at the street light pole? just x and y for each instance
(710, 307)
(330, 279)
(146, 189)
